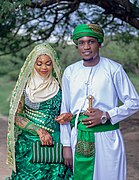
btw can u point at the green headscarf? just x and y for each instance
(23, 78)
(92, 30)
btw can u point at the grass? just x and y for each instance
(6, 87)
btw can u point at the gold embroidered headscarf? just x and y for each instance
(23, 79)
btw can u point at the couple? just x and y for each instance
(87, 124)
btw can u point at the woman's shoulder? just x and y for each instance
(56, 97)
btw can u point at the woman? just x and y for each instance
(34, 105)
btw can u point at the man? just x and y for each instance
(91, 90)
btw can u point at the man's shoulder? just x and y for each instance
(73, 66)
(112, 64)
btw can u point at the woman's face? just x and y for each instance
(43, 65)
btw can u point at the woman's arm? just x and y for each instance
(26, 125)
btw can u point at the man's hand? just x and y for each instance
(45, 137)
(64, 118)
(67, 155)
(94, 117)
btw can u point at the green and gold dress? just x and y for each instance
(39, 115)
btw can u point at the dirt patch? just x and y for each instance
(130, 131)
(4, 169)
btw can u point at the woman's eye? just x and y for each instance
(48, 64)
(38, 64)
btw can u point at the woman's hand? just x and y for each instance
(67, 155)
(64, 118)
(45, 137)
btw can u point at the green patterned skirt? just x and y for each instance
(26, 170)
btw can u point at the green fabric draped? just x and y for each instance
(25, 169)
(84, 156)
(92, 30)
(85, 148)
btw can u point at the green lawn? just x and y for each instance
(6, 87)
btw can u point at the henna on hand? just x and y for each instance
(64, 118)
(20, 121)
(45, 137)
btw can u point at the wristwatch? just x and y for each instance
(103, 118)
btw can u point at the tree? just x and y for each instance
(24, 22)
(126, 53)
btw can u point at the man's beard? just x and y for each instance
(90, 59)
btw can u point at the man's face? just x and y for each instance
(88, 47)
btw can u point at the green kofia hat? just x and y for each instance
(92, 30)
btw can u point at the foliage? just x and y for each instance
(126, 54)
(24, 22)
(116, 49)
(67, 54)
(13, 75)
(11, 64)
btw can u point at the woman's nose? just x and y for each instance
(44, 66)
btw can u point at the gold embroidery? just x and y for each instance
(20, 105)
(85, 148)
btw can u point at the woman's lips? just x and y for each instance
(43, 72)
